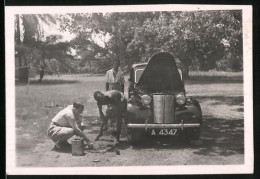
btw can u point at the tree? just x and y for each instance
(34, 49)
(55, 48)
(28, 34)
(115, 30)
(196, 37)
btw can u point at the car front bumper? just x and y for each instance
(163, 126)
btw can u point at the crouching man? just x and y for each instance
(116, 108)
(66, 124)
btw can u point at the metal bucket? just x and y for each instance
(163, 106)
(77, 146)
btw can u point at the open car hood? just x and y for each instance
(161, 75)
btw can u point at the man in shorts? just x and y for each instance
(66, 124)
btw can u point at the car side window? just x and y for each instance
(180, 72)
(138, 73)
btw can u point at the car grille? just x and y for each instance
(163, 108)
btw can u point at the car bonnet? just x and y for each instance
(161, 74)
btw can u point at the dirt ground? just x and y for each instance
(222, 129)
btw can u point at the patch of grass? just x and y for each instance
(211, 77)
(35, 110)
(215, 74)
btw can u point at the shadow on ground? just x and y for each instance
(221, 137)
(222, 100)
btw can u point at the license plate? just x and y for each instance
(164, 132)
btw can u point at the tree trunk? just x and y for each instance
(22, 71)
(42, 65)
(185, 72)
(24, 75)
(90, 68)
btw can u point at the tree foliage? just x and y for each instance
(32, 48)
(201, 40)
(114, 30)
(196, 37)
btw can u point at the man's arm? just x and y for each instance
(107, 86)
(122, 87)
(122, 83)
(107, 79)
(79, 121)
(76, 129)
(102, 116)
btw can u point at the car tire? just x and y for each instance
(190, 135)
(133, 136)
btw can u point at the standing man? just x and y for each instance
(67, 124)
(114, 78)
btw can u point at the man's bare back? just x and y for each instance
(116, 103)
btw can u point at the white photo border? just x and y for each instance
(11, 167)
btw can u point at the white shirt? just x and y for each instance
(66, 118)
(119, 78)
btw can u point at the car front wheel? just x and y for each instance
(133, 136)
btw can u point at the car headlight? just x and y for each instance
(146, 99)
(180, 98)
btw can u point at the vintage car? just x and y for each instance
(157, 103)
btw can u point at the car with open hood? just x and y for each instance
(157, 103)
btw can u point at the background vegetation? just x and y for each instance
(200, 40)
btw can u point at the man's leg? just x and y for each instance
(60, 135)
(65, 134)
(118, 127)
(105, 123)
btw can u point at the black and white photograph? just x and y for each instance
(130, 89)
